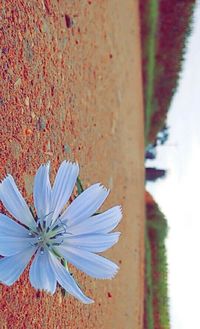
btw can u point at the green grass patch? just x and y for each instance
(148, 299)
(150, 15)
(165, 27)
(156, 274)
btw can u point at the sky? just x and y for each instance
(179, 193)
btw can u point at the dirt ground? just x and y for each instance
(71, 88)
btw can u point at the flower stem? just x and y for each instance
(79, 185)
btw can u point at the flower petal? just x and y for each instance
(41, 274)
(85, 205)
(15, 203)
(92, 242)
(102, 223)
(14, 238)
(11, 228)
(12, 267)
(92, 264)
(63, 186)
(10, 245)
(42, 191)
(67, 282)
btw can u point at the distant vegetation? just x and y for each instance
(149, 20)
(156, 315)
(165, 26)
(152, 174)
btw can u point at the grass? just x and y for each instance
(156, 299)
(151, 14)
(165, 27)
(157, 233)
(162, 287)
(148, 318)
(153, 289)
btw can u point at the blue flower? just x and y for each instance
(58, 233)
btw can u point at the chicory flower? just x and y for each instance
(58, 233)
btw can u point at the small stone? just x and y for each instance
(28, 180)
(46, 6)
(20, 37)
(27, 101)
(45, 27)
(68, 21)
(59, 297)
(41, 124)
(62, 43)
(28, 51)
(67, 148)
(18, 83)
(48, 145)
(33, 115)
(1, 101)
(28, 132)
(5, 50)
(15, 149)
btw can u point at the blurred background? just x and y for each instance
(171, 75)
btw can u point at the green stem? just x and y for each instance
(79, 185)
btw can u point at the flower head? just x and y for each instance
(57, 234)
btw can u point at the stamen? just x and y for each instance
(63, 224)
(57, 243)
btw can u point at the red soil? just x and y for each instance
(71, 88)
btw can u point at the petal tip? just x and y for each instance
(119, 211)
(115, 272)
(87, 300)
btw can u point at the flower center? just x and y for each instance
(43, 238)
(48, 237)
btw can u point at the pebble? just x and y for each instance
(15, 149)
(1, 101)
(5, 50)
(67, 148)
(27, 101)
(33, 115)
(41, 124)
(48, 145)
(28, 132)
(68, 21)
(18, 83)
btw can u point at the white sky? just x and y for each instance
(179, 194)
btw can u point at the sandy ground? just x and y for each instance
(71, 89)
